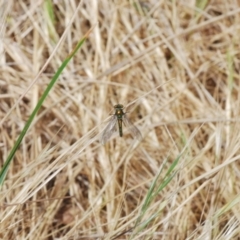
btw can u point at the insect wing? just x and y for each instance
(133, 130)
(109, 130)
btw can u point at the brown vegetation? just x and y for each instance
(178, 62)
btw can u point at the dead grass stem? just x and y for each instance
(176, 65)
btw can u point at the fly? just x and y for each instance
(119, 118)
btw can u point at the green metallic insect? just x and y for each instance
(119, 117)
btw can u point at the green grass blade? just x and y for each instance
(153, 191)
(6, 165)
(49, 8)
(50, 19)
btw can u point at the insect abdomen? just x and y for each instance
(120, 127)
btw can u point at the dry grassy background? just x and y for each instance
(178, 62)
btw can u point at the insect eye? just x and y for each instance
(118, 106)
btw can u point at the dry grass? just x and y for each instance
(180, 60)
